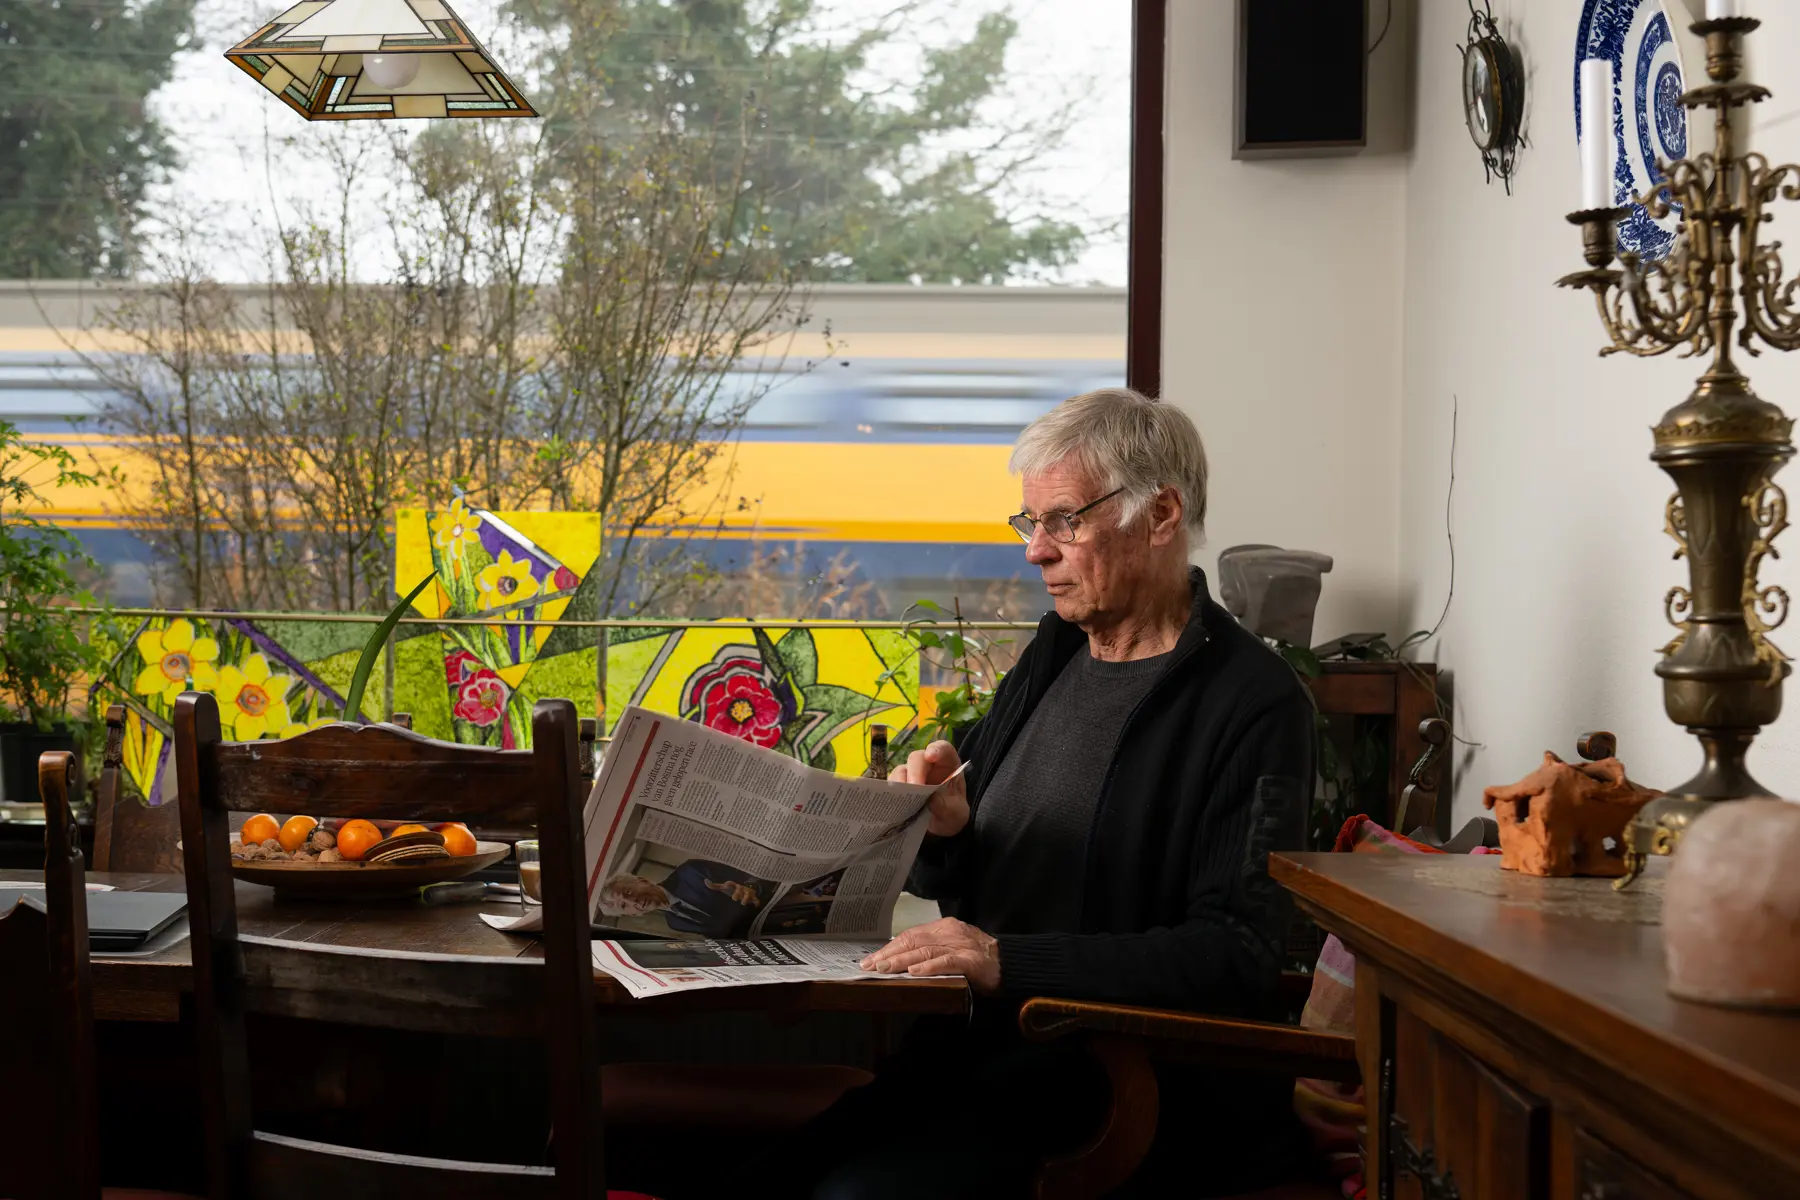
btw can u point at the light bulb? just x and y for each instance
(391, 71)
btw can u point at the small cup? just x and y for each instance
(527, 854)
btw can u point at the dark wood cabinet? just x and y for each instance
(1457, 1128)
(1402, 693)
(1517, 1042)
(1602, 1173)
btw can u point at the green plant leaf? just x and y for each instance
(364, 665)
(801, 654)
(1301, 659)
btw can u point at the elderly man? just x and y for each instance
(1108, 842)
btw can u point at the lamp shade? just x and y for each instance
(361, 60)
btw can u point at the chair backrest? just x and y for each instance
(47, 1017)
(381, 771)
(131, 836)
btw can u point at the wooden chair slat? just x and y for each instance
(433, 993)
(376, 770)
(284, 1168)
(26, 1067)
(47, 1011)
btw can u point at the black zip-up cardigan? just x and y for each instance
(1211, 772)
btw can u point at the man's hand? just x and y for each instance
(944, 947)
(949, 805)
(741, 893)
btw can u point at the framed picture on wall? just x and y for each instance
(1302, 78)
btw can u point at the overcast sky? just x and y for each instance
(224, 126)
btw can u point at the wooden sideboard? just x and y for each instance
(1517, 1040)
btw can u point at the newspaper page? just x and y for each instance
(695, 836)
(662, 968)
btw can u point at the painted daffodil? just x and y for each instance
(455, 529)
(252, 702)
(295, 728)
(172, 656)
(507, 581)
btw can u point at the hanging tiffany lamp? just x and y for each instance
(363, 60)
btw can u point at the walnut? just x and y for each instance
(323, 838)
(254, 851)
(330, 856)
(272, 845)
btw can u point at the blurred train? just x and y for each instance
(875, 464)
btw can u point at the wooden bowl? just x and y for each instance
(364, 880)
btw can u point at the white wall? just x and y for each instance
(1280, 328)
(1561, 563)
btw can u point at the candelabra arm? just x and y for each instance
(1771, 306)
(1638, 320)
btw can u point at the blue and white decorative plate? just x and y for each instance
(1648, 119)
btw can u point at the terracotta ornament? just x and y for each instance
(1566, 818)
(1731, 907)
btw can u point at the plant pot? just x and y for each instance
(21, 743)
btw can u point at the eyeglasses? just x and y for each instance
(1059, 525)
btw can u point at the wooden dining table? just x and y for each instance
(151, 987)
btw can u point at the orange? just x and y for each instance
(409, 829)
(457, 838)
(293, 835)
(356, 838)
(259, 829)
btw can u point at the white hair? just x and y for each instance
(1126, 440)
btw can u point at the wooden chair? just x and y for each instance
(1127, 1041)
(348, 770)
(129, 836)
(47, 1043)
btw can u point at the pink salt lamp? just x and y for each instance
(1731, 907)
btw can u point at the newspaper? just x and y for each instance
(661, 968)
(696, 837)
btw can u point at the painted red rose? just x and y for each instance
(460, 666)
(482, 700)
(563, 580)
(741, 703)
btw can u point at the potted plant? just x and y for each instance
(43, 657)
(964, 657)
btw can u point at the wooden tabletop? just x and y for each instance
(1571, 957)
(150, 988)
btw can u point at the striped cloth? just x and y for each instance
(1333, 1113)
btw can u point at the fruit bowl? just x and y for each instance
(364, 880)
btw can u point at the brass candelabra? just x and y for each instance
(1721, 674)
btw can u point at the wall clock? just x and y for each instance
(1493, 93)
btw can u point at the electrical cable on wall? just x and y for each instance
(1385, 26)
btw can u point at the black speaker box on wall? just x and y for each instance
(1302, 78)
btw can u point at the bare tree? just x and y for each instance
(569, 324)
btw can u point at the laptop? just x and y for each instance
(117, 921)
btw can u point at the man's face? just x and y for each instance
(1101, 572)
(632, 896)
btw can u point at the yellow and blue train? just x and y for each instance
(883, 445)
